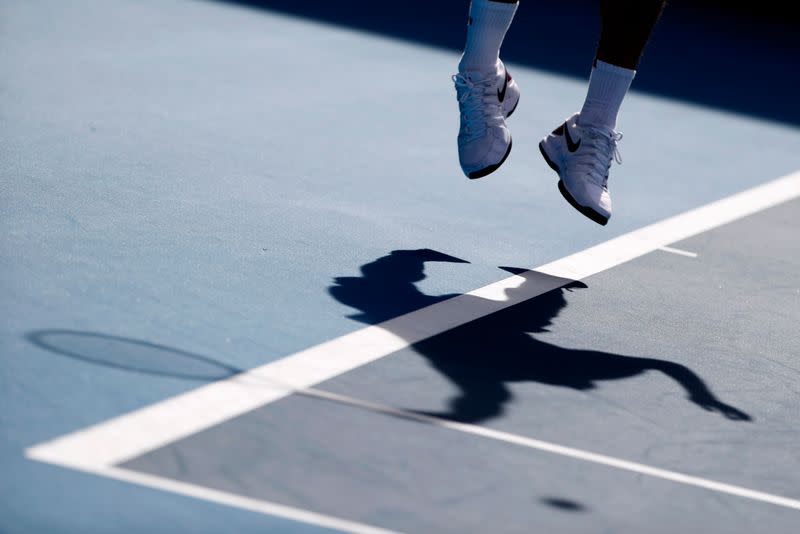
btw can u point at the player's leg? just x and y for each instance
(626, 27)
(581, 149)
(486, 93)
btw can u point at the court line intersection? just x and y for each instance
(99, 449)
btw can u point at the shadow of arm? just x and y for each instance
(697, 390)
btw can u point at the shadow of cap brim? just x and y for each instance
(514, 270)
(427, 254)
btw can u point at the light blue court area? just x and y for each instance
(184, 185)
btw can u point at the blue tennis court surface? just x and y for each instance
(199, 198)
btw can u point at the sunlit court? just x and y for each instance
(277, 266)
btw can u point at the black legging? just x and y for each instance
(625, 29)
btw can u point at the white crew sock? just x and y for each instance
(608, 85)
(488, 23)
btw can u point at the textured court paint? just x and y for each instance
(253, 389)
(553, 448)
(154, 188)
(741, 343)
(238, 501)
(388, 470)
(133, 434)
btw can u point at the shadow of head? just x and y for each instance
(404, 266)
(386, 288)
(131, 355)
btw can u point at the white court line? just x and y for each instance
(679, 252)
(561, 450)
(237, 501)
(121, 438)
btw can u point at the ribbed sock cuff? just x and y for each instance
(608, 85)
(488, 23)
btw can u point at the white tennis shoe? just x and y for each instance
(582, 158)
(485, 102)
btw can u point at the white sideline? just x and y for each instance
(238, 501)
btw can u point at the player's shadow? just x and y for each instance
(483, 356)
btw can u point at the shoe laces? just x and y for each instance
(480, 107)
(599, 148)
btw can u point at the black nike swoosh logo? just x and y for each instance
(572, 146)
(501, 93)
